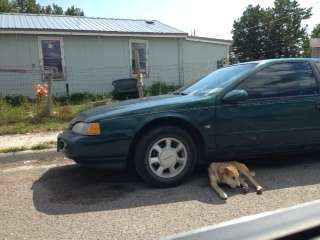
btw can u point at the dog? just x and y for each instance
(230, 173)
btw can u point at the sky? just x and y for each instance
(209, 18)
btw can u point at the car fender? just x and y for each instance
(165, 115)
(171, 118)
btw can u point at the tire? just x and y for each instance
(170, 165)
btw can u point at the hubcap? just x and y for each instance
(167, 157)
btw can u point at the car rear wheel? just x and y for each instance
(165, 156)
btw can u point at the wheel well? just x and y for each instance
(168, 121)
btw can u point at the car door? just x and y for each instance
(281, 113)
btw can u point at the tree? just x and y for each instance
(272, 32)
(316, 31)
(306, 47)
(31, 6)
(27, 6)
(74, 11)
(249, 36)
(57, 10)
(53, 10)
(287, 36)
(46, 9)
(6, 6)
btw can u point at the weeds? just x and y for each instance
(12, 149)
(10, 114)
(28, 117)
(40, 146)
(65, 112)
(19, 114)
(159, 88)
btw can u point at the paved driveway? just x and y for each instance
(59, 200)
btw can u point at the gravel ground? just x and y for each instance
(27, 140)
(60, 200)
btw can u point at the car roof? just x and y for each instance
(276, 60)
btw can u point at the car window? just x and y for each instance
(218, 79)
(281, 80)
(318, 66)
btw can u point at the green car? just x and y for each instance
(237, 112)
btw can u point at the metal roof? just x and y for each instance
(57, 23)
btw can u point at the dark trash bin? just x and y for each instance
(125, 89)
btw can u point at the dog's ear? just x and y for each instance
(229, 170)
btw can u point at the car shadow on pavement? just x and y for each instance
(73, 189)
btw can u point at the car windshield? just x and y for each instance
(216, 80)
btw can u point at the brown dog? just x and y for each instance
(230, 173)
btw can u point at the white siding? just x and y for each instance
(92, 62)
(200, 58)
(20, 56)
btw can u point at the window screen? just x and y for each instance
(139, 57)
(281, 80)
(52, 58)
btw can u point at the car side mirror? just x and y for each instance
(235, 96)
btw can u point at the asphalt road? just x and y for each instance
(60, 200)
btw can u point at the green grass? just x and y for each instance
(19, 114)
(28, 127)
(27, 117)
(39, 146)
(13, 149)
(42, 146)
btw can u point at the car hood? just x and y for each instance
(140, 106)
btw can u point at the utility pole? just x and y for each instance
(48, 109)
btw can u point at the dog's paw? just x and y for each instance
(223, 196)
(245, 190)
(259, 190)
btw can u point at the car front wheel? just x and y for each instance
(165, 156)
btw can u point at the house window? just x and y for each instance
(52, 58)
(139, 56)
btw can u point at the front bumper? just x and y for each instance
(94, 150)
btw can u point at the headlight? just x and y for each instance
(87, 128)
